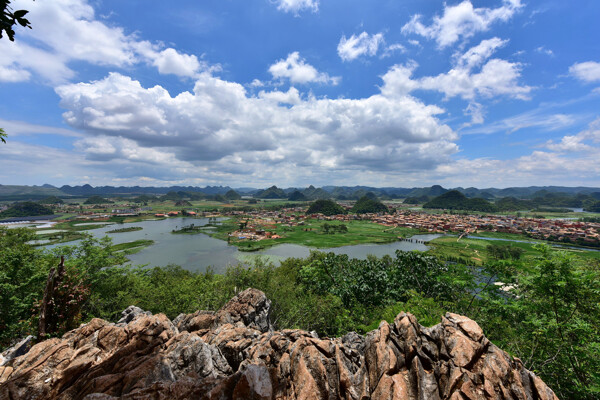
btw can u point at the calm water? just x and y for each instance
(199, 251)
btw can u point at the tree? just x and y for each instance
(10, 18)
(325, 207)
(2, 135)
(564, 310)
(23, 271)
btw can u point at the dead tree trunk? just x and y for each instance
(54, 278)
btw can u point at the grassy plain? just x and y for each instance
(311, 234)
(475, 250)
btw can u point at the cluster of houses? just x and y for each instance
(259, 222)
(548, 229)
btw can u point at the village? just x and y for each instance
(260, 224)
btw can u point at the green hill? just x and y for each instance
(297, 196)
(232, 195)
(313, 193)
(366, 204)
(325, 207)
(271, 193)
(26, 209)
(51, 200)
(97, 200)
(514, 204)
(455, 200)
(416, 200)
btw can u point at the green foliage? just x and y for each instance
(51, 200)
(559, 304)
(593, 206)
(128, 229)
(2, 133)
(26, 209)
(331, 229)
(455, 200)
(271, 193)
(513, 204)
(297, 196)
(172, 196)
(23, 272)
(325, 207)
(416, 200)
(97, 200)
(367, 204)
(375, 281)
(504, 252)
(427, 310)
(144, 199)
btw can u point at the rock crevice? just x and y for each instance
(234, 353)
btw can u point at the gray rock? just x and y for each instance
(17, 350)
(251, 308)
(131, 313)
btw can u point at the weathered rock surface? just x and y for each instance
(235, 354)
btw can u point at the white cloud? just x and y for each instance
(292, 96)
(461, 21)
(257, 83)
(67, 31)
(544, 168)
(540, 119)
(8, 74)
(495, 77)
(586, 71)
(568, 144)
(476, 55)
(169, 61)
(18, 128)
(577, 143)
(356, 46)
(475, 110)
(543, 50)
(297, 70)
(219, 129)
(294, 6)
(22, 59)
(392, 48)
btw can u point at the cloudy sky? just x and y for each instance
(485, 93)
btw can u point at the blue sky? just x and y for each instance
(485, 93)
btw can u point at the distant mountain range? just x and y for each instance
(17, 192)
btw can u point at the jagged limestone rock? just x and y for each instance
(235, 354)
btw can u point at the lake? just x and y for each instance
(199, 251)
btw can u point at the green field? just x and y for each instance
(475, 251)
(311, 234)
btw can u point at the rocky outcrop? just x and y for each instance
(235, 354)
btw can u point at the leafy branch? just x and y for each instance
(10, 18)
